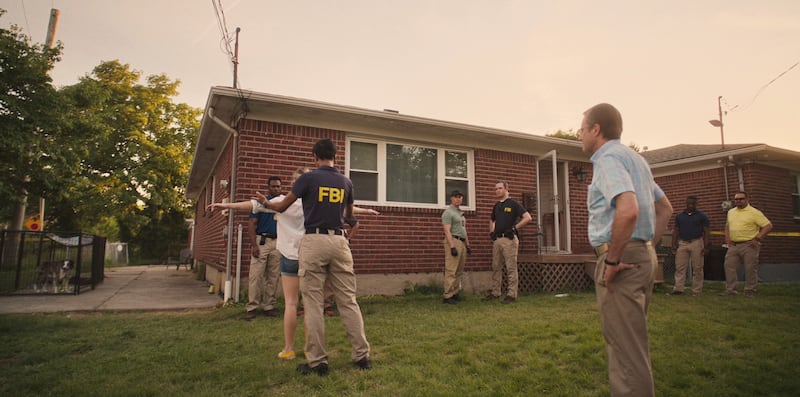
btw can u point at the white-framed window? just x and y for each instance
(408, 174)
(796, 195)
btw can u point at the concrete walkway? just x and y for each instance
(154, 287)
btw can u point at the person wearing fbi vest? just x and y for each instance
(508, 216)
(324, 254)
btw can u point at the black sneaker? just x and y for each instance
(508, 300)
(450, 301)
(321, 369)
(490, 297)
(271, 313)
(250, 316)
(676, 293)
(458, 298)
(364, 364)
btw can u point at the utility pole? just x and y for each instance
(718, 123)
(236, 59)
(721, 124)
(11, 250)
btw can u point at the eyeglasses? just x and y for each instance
(739, 198)
(274, 185)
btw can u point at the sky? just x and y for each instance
(529, 66)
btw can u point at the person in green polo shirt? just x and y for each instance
(456, 247)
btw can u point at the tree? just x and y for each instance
(33, 158)
(137, 149)
(573, 136)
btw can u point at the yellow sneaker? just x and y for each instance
(286, 355)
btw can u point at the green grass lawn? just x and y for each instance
(541, 345)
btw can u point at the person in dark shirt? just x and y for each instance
(324, 254)
(508, 216)
(691, 240)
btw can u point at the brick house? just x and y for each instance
(402, 166)
(769, 175)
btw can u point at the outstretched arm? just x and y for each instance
(241, 205)
(364, 211)
(278, 206)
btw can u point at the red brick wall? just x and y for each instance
(209, 244)
(400, 240)
(769, 189)
(265, 149)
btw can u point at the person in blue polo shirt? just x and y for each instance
(691, 240)
(324, 254)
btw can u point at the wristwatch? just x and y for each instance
(609, 263)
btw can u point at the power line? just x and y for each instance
(25, 15)
(225, 44)
(760, 90)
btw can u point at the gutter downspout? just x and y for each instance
(741, 177)
(235, 133)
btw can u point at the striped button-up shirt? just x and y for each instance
(619, 169)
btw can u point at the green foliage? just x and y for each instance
(33, 157)
(569, 134)
(137, 149)
(573, 136)
(541, 345)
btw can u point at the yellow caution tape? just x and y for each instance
(776, 234)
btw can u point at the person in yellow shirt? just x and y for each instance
(745, 230)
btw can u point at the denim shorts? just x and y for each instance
(289, 267)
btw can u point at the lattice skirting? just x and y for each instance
(551, 277)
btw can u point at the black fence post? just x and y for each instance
(20, 255)
(98, 260)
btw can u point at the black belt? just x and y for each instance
(322, 230)
(741, 242)
(507, 234)
(691, 239)
(602, 249)
(460, 238)
(268, 235)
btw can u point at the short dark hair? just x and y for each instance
(692, 198)
(741, 192)
(273, 178)
(607, 117)
(324, 149)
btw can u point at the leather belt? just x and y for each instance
(741, 242)
(267, 235)
(460, 238)
(323, 230)
(691, 240)
(602, 249)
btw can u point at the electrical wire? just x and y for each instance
(225, 44)
(760, 90)
(25, 15)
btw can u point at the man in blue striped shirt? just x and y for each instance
(628, 212)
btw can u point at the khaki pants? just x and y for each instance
(454, 267)
(504, 254)
(327, 257)
(262, 280)
(689, 250)
(736, 255)
(623, 318)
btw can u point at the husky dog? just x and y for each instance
(55, 273)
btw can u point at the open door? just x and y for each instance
(553, 218)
